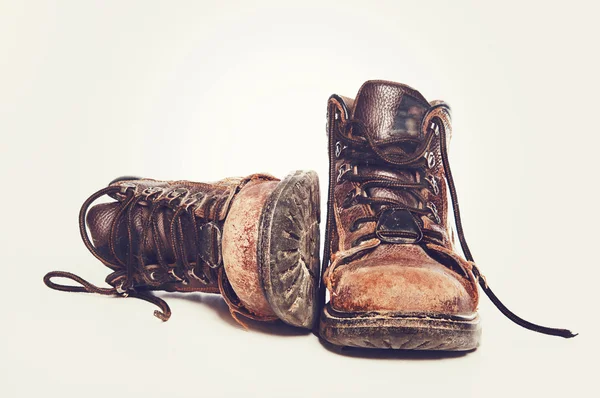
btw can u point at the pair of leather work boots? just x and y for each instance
(390, 267)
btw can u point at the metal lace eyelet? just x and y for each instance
(430, 159)
(174, 275)
(181, 279)
(436, 129)
(150, 191)
(126, 186)
(177, 193)
(191, 200)
(434, 185)
(187, 202)
(202, 278)
(343, 170)
(121, 290)
(434, 213)
(339, 148)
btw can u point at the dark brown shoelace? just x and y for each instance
(361, 148)
(359, 152)
(131, 276)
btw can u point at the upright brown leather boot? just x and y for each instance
(393, 275)
(255, 240)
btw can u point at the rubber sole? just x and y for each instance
(288, 248)
(389, 330)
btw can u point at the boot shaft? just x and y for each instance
(387, 174)
(172, 228)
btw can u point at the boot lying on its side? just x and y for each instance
(255, 240)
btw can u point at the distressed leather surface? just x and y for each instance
(395, 277)
(343, 236)
(402, 278)
(240, 239)
(212, 205)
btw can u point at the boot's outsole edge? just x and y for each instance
(387, 330)
(288, 249)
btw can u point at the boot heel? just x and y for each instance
(288, 248)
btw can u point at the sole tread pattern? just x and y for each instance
(288, 249)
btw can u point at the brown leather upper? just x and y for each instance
(375, 273)
(162, 235)
(208, 202)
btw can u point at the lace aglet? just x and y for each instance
(162, 316)
(567, 334)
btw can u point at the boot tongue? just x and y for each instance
(390, 110)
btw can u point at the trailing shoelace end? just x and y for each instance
(86, 287)
(162, 316)
(565, 333)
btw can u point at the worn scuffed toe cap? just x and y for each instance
(408, 282)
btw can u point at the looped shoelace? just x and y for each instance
(359, 152)
(361, 149)
(87, 287)
(126, 271)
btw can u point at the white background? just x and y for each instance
(204, 90)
